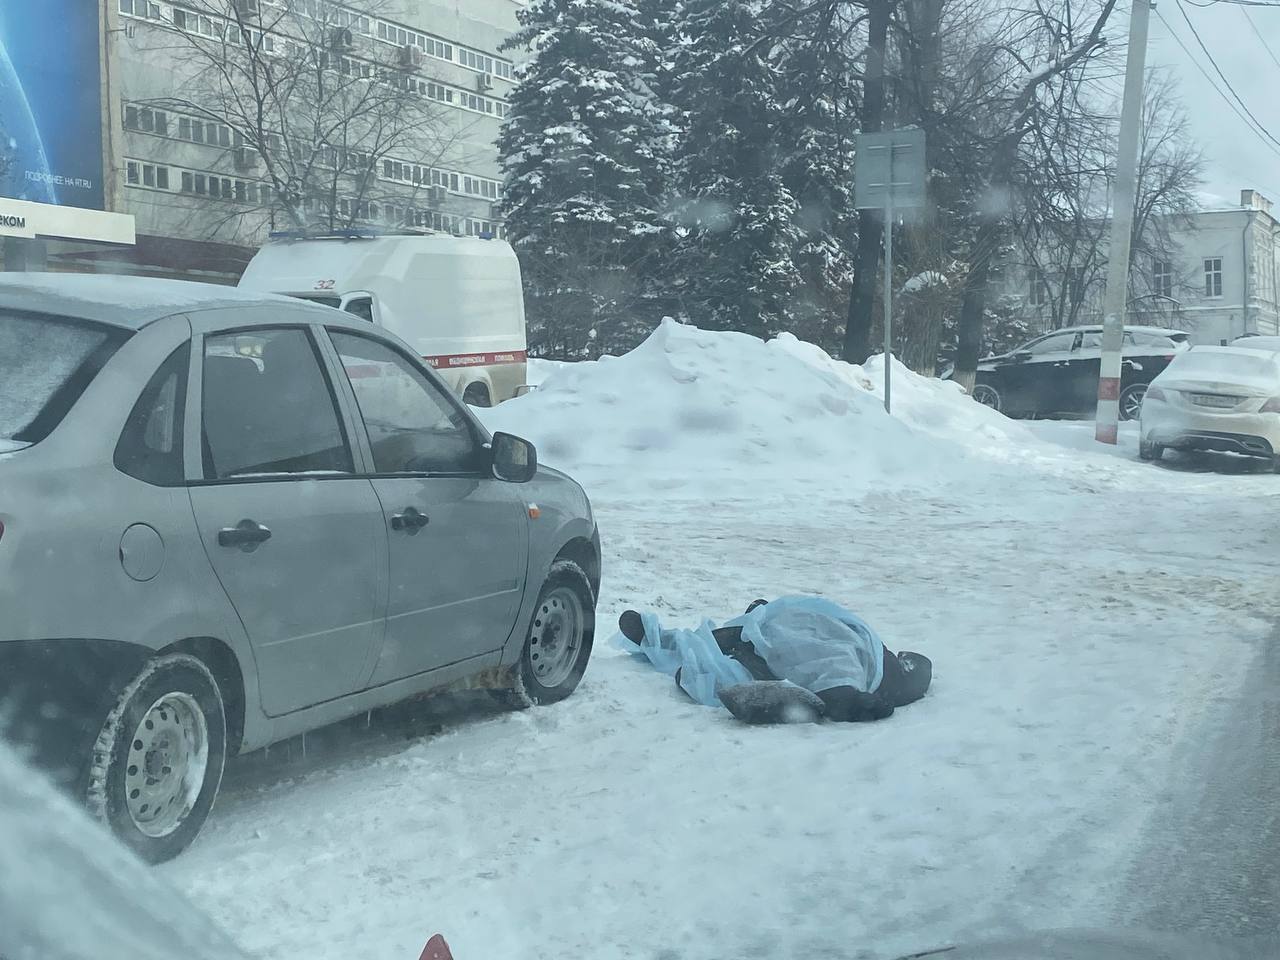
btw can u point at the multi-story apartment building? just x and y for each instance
(192, 170)
(1215, 277)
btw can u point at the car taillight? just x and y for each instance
(1271, 406)
(1, 529)
(1155, 393)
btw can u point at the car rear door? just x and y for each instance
(292, 528)
(458, 537)
(1081, 373)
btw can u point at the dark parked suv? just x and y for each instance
(1058, 372)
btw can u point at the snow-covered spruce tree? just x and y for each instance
(820, 95)
(583, 152)
(738, 218)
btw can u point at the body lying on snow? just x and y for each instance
(797, 659)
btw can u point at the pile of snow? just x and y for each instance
(71, 891)
(937, 407)
(697, 412)
(538, 370)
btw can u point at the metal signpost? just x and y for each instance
(889, 175)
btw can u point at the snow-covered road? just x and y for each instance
(1080, 621)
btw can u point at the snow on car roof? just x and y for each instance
(1266, 353)
(123, 301)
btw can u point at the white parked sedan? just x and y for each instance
(1215, 398)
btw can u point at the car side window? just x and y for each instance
(268, 408)
(1054, 344)
(150, 446)
(1089, 340)
(413, 425)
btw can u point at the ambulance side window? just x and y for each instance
(362, 308)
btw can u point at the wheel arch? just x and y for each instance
(477, 380)
(223, 663)
(583, 552)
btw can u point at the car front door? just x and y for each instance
(1034, 376)
(458, 537)
(292, 529)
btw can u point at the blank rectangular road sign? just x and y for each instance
(890, 161)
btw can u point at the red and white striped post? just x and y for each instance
(1122, 203)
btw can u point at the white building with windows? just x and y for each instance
(1217, 280)
(196, 186)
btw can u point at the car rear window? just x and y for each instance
(1221, 366)
(45, 364)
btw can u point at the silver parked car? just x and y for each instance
(1215, 398)
(226, 519)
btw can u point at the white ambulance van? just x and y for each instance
(457, 300)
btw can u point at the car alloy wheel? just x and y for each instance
(1131, 401)
(987, 395)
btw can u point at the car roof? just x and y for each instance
(1097, 328)
(129, 302)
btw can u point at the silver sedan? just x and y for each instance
(226, 519)
(1215, 398)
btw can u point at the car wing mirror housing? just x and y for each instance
(514, 460)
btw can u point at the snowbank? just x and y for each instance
(699, 412)
(70, 891)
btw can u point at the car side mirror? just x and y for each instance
(1022, 355)
(514, 460)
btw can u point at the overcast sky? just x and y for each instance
(1236, 156)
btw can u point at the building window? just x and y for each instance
(141, 8)
(1075, 284)
(1162, 278)
(1213, 277)
(131, 172)
(1039, 288)
(162, 178)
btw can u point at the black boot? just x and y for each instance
(632, 626)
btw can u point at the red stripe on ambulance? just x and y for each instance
(477, 359)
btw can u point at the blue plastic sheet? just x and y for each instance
(812, 642)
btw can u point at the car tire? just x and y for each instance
(988, 396)
(558, 645)
(477, 395)
(171, 711)
(1149, 451)
(1131, 401)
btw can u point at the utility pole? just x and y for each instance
(1122, 204)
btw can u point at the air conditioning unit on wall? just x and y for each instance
(246, 159)
(341, 39)
(411, 57)
(484, 83)
(248, 8)
(436, 195)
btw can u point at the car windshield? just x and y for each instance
(1223, 365)
(45, 364)
(772, 478)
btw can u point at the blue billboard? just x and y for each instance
(50, 103)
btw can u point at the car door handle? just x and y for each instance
(243, 534)
(411, 521)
